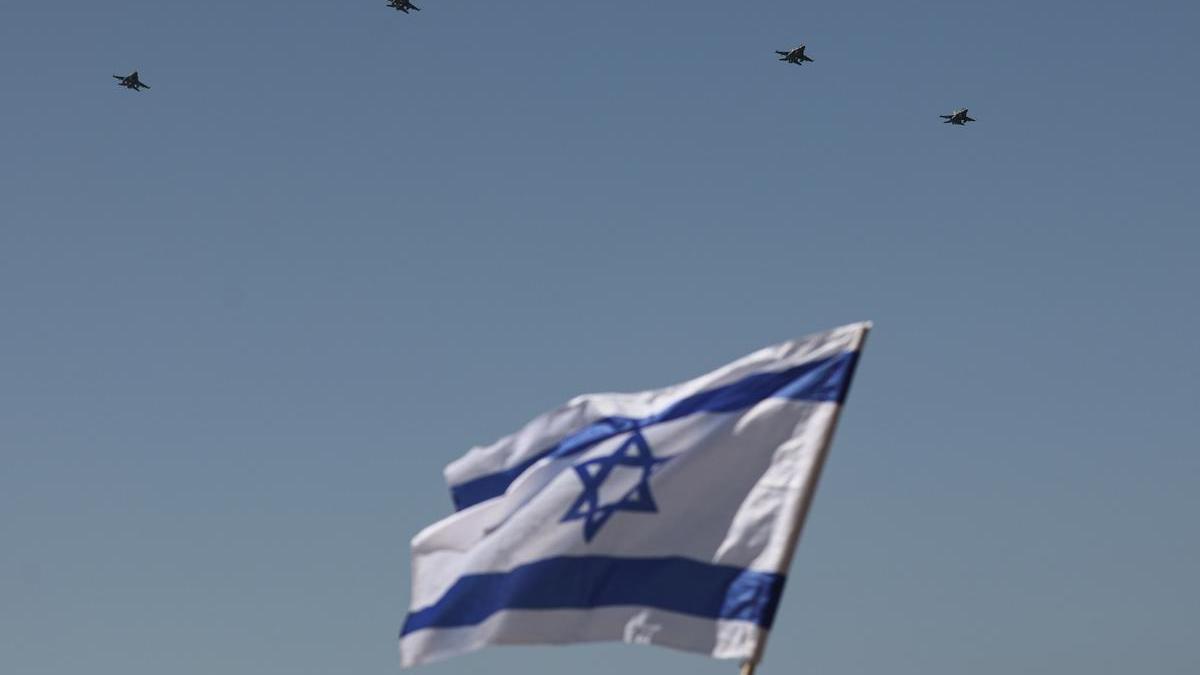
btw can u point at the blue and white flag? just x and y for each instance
(665, 517)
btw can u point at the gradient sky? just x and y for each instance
(248, 315)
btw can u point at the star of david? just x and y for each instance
(635, 453)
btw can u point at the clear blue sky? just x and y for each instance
(247, 316)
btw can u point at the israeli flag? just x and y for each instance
(665, 517)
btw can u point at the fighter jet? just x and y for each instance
(131, 81)
(795, 56)
(958, 117)
(403, 5)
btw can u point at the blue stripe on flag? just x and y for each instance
(823, 380)
(585, 582)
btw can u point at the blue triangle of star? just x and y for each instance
(635, 453)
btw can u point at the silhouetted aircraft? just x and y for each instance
(131, 81)
(403, 5)
(958, 117)
(795, 56)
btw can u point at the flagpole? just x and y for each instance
(806, 503)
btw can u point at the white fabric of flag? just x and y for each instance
(664, 517)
